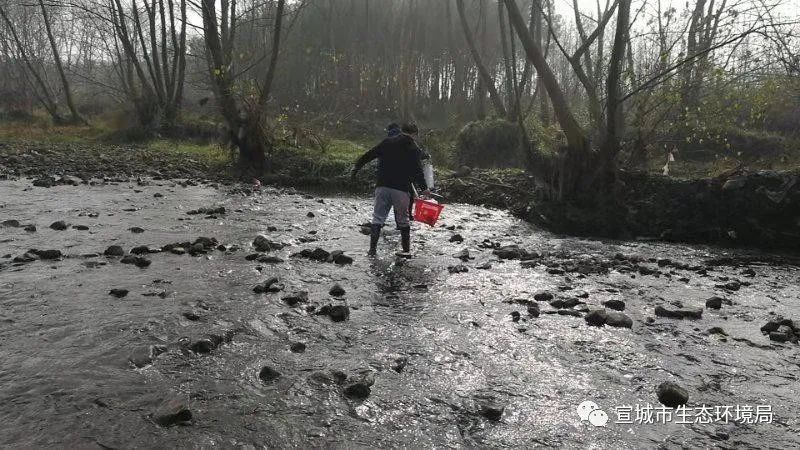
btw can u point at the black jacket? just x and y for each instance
(398, 163)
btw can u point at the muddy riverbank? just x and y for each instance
(473, 342)
(739, 210)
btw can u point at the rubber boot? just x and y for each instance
(405, 239)
(374, 235)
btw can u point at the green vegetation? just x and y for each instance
(489, 144)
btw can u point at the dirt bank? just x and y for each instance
(747, 209)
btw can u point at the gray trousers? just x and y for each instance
(388, 198)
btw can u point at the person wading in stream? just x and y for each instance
(399, 167)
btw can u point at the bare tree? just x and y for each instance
(485, 76)
(245, 116)
(152, 58)
(34, 79)
(75, 117)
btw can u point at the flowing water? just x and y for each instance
(441, 346)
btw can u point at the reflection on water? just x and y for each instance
(441, 346)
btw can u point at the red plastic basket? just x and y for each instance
(427, 211)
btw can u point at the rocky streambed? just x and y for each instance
(177, 313)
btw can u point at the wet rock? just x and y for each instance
(463, 255)
(295, 298)
(338, 257)
(460, 268)
(114, 250)
(269, 259)
(144, 355)
(206, 243)
(618, 320)
(47, 254)
(596, 318)
(207, 211)
(780, 329)
(59, 225)
(491, 409)
(203, 345)
(141, 250)
(25, 258)
(616, 305)
(543, 296)
(317, 254)
(776, 323)
(11, 223)
(46, 182)
(297, 347)
(717, 302)
(267, 374)
(263, 244)
(512, 252)
(730, 286)
(30, 228)
(359, 386)
(119, 293)
(337, 290)
(457, 238)
(717, 330)
(337, 313)
(271, 285)
(680, 313)
(136, 230)
(191, 315)
(783, 334)
(137, 261)
(399, 364)
(672, 395)
(565, 303)
(197, 249)
(173, 411)
(644, 270)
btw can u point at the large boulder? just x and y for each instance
(672, 395)
(679, 313)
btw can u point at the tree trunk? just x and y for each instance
(507, 63)
(483, 72)
(537, 24)
(46, 97)
(75, 116)
(614, 120)
(245, 124)
(576, 160)
(576, 137)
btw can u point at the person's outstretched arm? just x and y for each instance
(373, 153)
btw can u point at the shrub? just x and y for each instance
(489, 144)
(441, 146)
